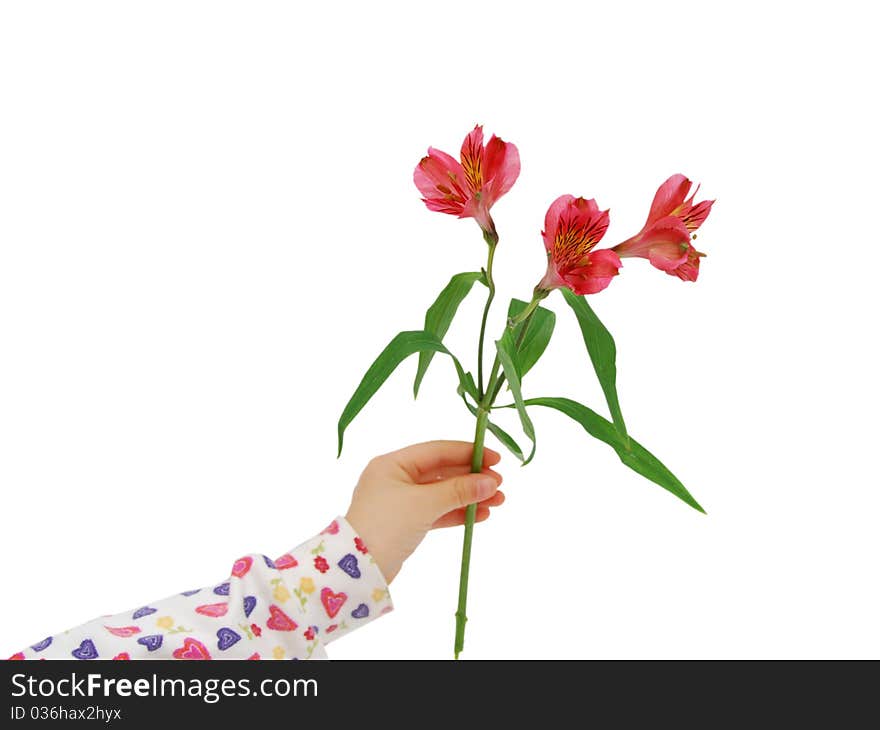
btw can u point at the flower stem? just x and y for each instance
(493, 387)
(470, 514)
(492, 240)
(525, 314)
(487, 398)
(524, 317)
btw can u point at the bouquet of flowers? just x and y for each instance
(573, 227)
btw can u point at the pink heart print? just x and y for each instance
(242, 566)
(213, 609)
(280, 621)
(332, 601)
(123, 631)
(286, 561)
(192, 649)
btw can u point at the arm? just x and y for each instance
(265, 609)
(291, 607)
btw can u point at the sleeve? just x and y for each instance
(288, 608)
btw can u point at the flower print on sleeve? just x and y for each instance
(287, 608)
(340, 587)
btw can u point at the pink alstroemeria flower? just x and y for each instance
(665, 239)
(572, 228)
(470, 188)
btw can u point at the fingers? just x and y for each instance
(446, 472)
(456, 492)
(429, 456)
(496, 500)
(456, 517)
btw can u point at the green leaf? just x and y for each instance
(630, 451)
(440, 315)
(538, 334)
(506, 353)
(603, 353)
(400, 348)
(467, 385)
(505, 438)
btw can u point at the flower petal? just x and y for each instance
(477, 209)
(552, 279)
(436, 169)
(599, 269)
(690, 269)
(605, 262)
(472, 158)
(501, 168)
(669, 196)
(551, 219)
(696, 214)
(588, 217)
(441, 180)
(667, 256)
(660, 234)
(578, 226)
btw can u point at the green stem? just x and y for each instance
(526, 318)
(492, 240)
(525, 314)
(487, 397)
(470, 514)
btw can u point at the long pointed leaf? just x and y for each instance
(506, 352)
(537, 336)
(467, 385)
(400, 348)
(603, 353)
(630, 451)
(440, 315)
(507, 440)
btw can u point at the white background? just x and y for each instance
(208, 230)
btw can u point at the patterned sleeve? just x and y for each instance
(287, 608)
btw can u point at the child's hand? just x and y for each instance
(402, 495)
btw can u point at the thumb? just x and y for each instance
(460, 491)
